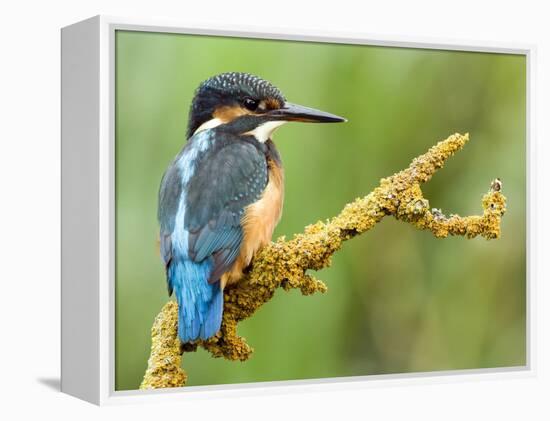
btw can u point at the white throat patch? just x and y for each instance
(264, 131)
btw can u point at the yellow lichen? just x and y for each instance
(163, 368)
(285, 263)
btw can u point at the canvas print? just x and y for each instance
(300, 210)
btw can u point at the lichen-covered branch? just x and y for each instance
(286, 263)
(163, 367)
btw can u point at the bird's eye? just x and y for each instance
(251, 104)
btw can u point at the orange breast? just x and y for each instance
(258, 222)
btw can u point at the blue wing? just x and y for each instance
(212, 181)
(231, 176)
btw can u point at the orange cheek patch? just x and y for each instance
(227, 114)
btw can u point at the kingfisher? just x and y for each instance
(222, 195)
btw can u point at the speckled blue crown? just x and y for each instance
(244, 84)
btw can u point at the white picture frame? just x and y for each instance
(88, 212)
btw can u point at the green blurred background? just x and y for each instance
(399, 300)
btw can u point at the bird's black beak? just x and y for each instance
(294, 112)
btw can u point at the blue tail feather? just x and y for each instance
(200, 303)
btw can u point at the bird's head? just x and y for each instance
(247, 104)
